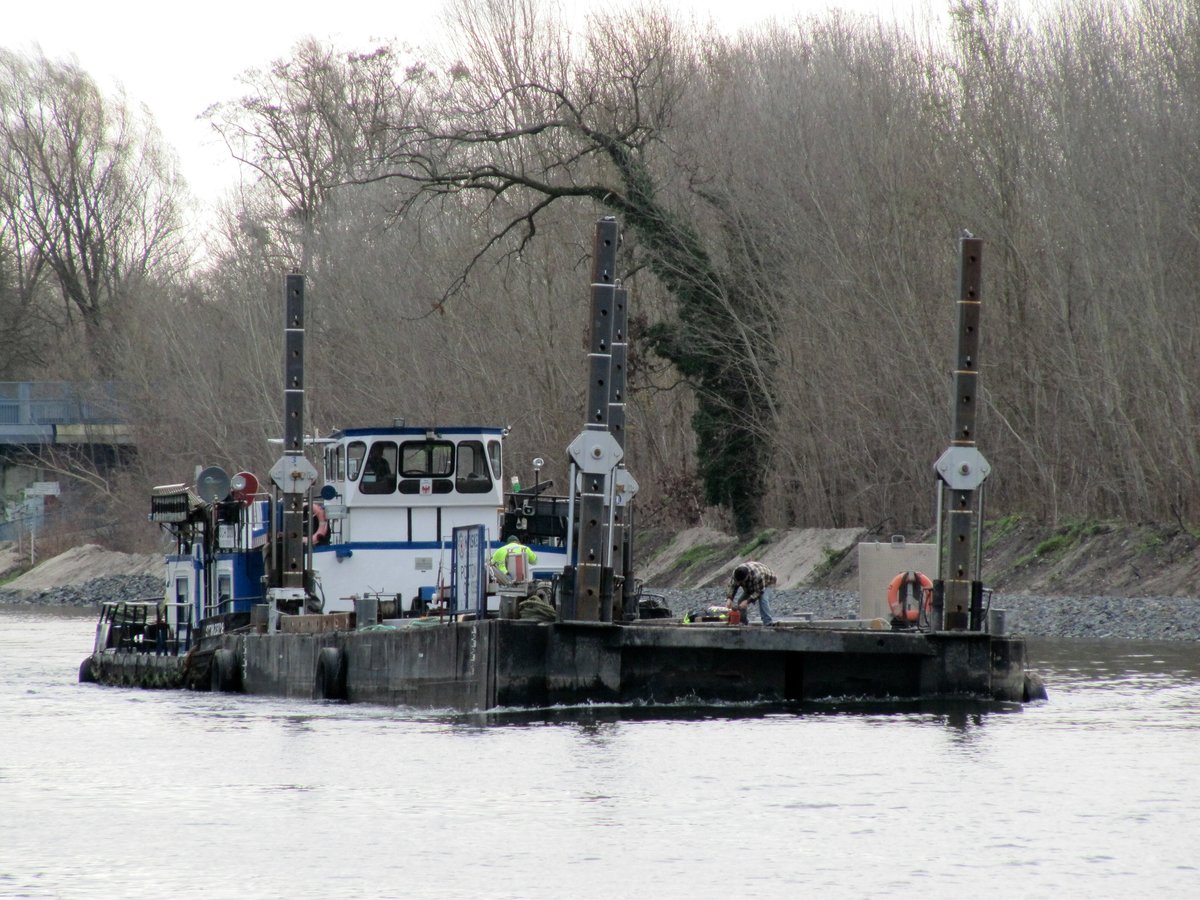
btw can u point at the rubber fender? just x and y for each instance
(1035, 688)
(331, 674)
(223, 673)
(86, 675)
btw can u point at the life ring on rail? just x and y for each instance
(320, 531)
(898, 596)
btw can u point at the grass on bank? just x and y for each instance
(1065, 537)
(699, 555)
(760, 540)
(830, 560)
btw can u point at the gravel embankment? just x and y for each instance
(89, 593)
(1126, 618)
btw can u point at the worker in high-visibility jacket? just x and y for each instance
(500, 558)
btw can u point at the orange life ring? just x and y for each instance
(898, 596)
(320, 534)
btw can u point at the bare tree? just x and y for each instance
(820, 141)
(526, 122)
(25, 340)
(311, 122)
(92, 188)
(792, 200)
(1076, 130)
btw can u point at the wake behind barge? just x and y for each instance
(377, 587)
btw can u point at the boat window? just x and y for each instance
(472, 469)
(224, 594)
(379, 469)
(355, 451)
(181, 590)
(335, 463)
(427, 459)
(494, 455)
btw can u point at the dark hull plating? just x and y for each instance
(513, 663)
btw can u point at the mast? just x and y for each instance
(962, 468)
(596, 452)
(292, 474)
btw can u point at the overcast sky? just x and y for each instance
(178, 59)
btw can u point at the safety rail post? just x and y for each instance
(565, 584)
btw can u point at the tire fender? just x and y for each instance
(330, 682)
(224, 675)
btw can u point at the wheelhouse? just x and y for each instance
(464, 466)
(392, 500)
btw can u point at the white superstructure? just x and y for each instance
(393, 499)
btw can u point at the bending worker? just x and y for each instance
(755, 581)
(500, 558)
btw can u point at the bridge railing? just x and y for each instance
(60, 403)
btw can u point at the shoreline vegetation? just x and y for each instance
(791, 200)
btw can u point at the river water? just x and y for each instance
(108, 792)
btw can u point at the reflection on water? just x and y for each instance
(1107, 658)
(109, 792)
(956, 714)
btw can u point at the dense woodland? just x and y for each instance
(791, 201)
